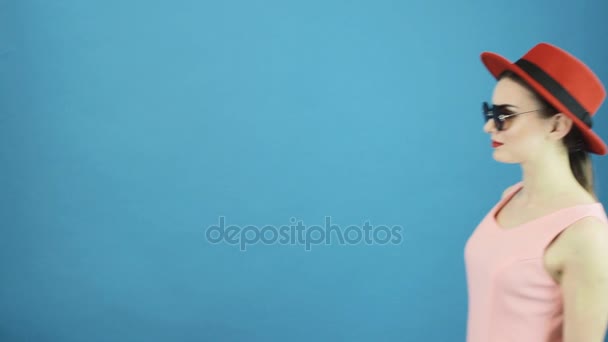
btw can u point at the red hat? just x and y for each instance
(561, 79)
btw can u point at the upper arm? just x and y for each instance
(584, 281)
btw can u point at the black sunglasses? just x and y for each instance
(497, 113)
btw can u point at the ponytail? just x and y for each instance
(580, 161)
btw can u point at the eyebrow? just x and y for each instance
(505, 105)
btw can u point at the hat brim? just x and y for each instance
(496, 65)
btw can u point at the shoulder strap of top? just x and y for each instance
(514, 189)
(507, 195)
(565, 218)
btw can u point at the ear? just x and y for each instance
(560, 126)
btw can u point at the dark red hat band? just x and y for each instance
(544, 79)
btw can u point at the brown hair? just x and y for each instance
(580, 162)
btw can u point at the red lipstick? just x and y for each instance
(496, 144)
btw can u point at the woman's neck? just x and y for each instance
(547, 178)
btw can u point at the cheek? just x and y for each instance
(522, 141)
(523, 138)
(522, 129)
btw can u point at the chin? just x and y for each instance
(502, 156)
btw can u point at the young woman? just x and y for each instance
(537, 264)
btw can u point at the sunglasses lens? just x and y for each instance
(499, 124)
(488, 113)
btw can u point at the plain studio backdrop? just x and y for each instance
(128, 128)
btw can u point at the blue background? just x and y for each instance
(127, 128)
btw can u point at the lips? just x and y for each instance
(496, 143)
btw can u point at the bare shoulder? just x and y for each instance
(586, 241)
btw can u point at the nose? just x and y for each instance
(489, 127)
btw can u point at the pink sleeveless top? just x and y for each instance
(511, 296)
